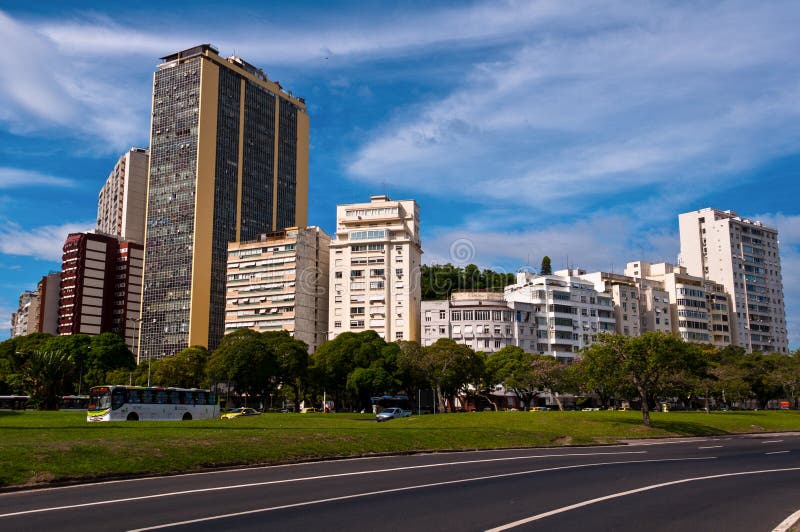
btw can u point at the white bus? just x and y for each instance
(135, 403)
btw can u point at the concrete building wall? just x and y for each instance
(280, 282)
(743, 256)
(375, 269)
(122, 200)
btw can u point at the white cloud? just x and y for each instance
(676, 96)
(15, 177)
(42, 89)
(598, 242)
(44, 243)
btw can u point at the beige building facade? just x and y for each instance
(375, 269)
(280, 282)
(743, 256)
(228, 162)
(122, 201)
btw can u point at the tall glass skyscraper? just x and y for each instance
(228, 161)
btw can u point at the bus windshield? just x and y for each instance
(99, 398)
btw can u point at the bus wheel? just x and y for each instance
(187, 416)
(133, 416)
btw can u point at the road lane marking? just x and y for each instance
(582, 504)
(303, 479)
(772, 441)
(777, 452)
(646, 444)
(787, 523)
(299, 464)
(711, 447)
(407, 488)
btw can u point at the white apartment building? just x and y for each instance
(624, 292)
(280, 282)
(122, 201)
(570, 313)
(482, 320)
(375, 269)
(685, 311)
(743, 256)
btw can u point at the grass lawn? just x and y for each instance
(41, 447)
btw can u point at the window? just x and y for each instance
(337, 299)
(375, 285)
(398, 272)
(457, 329)
(338, 275)
(398, 335)
(427, 315)
(356, 323)
(337, 324)
(442, 330)
(496, 344)
(442, 314)
(356, 310)
(467, 315)
(455, 315)
(482, 315)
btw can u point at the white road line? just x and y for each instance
(711, 447)
(787, 523)
(631, 492)
(646, 444)
(302, 479)
(277, 466)
(407, 488)
(777, 452)
(772, 441)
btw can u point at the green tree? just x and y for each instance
(451, 367)
(512, 367)
(13, 355)
(45, 374)
(186, 369)
(546, 269)
(106, 352)
(292, 359)
(646, 362)
(244, 360)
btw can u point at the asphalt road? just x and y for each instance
(746, 483)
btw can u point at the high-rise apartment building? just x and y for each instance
(375, 269)
(38, 309)
(127, 298)
(280, 282)
(100, 286)
(228, 161)
(743, 256)
(23, 321)
(87, 282)
(122, 200)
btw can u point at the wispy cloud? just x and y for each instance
(16, 177)
(597, 242)
(670, 97)
(44, 243)
(43, 89)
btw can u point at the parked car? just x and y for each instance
(391, 413)
(239, 412)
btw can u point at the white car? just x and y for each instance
(391, 413)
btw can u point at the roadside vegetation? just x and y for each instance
(43, 447)
(273, 370)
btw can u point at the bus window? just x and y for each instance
(147, 397)
(134, 396)
(117, 398)
(189, 398)
(161, 397)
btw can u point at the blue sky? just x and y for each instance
(579, 130)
